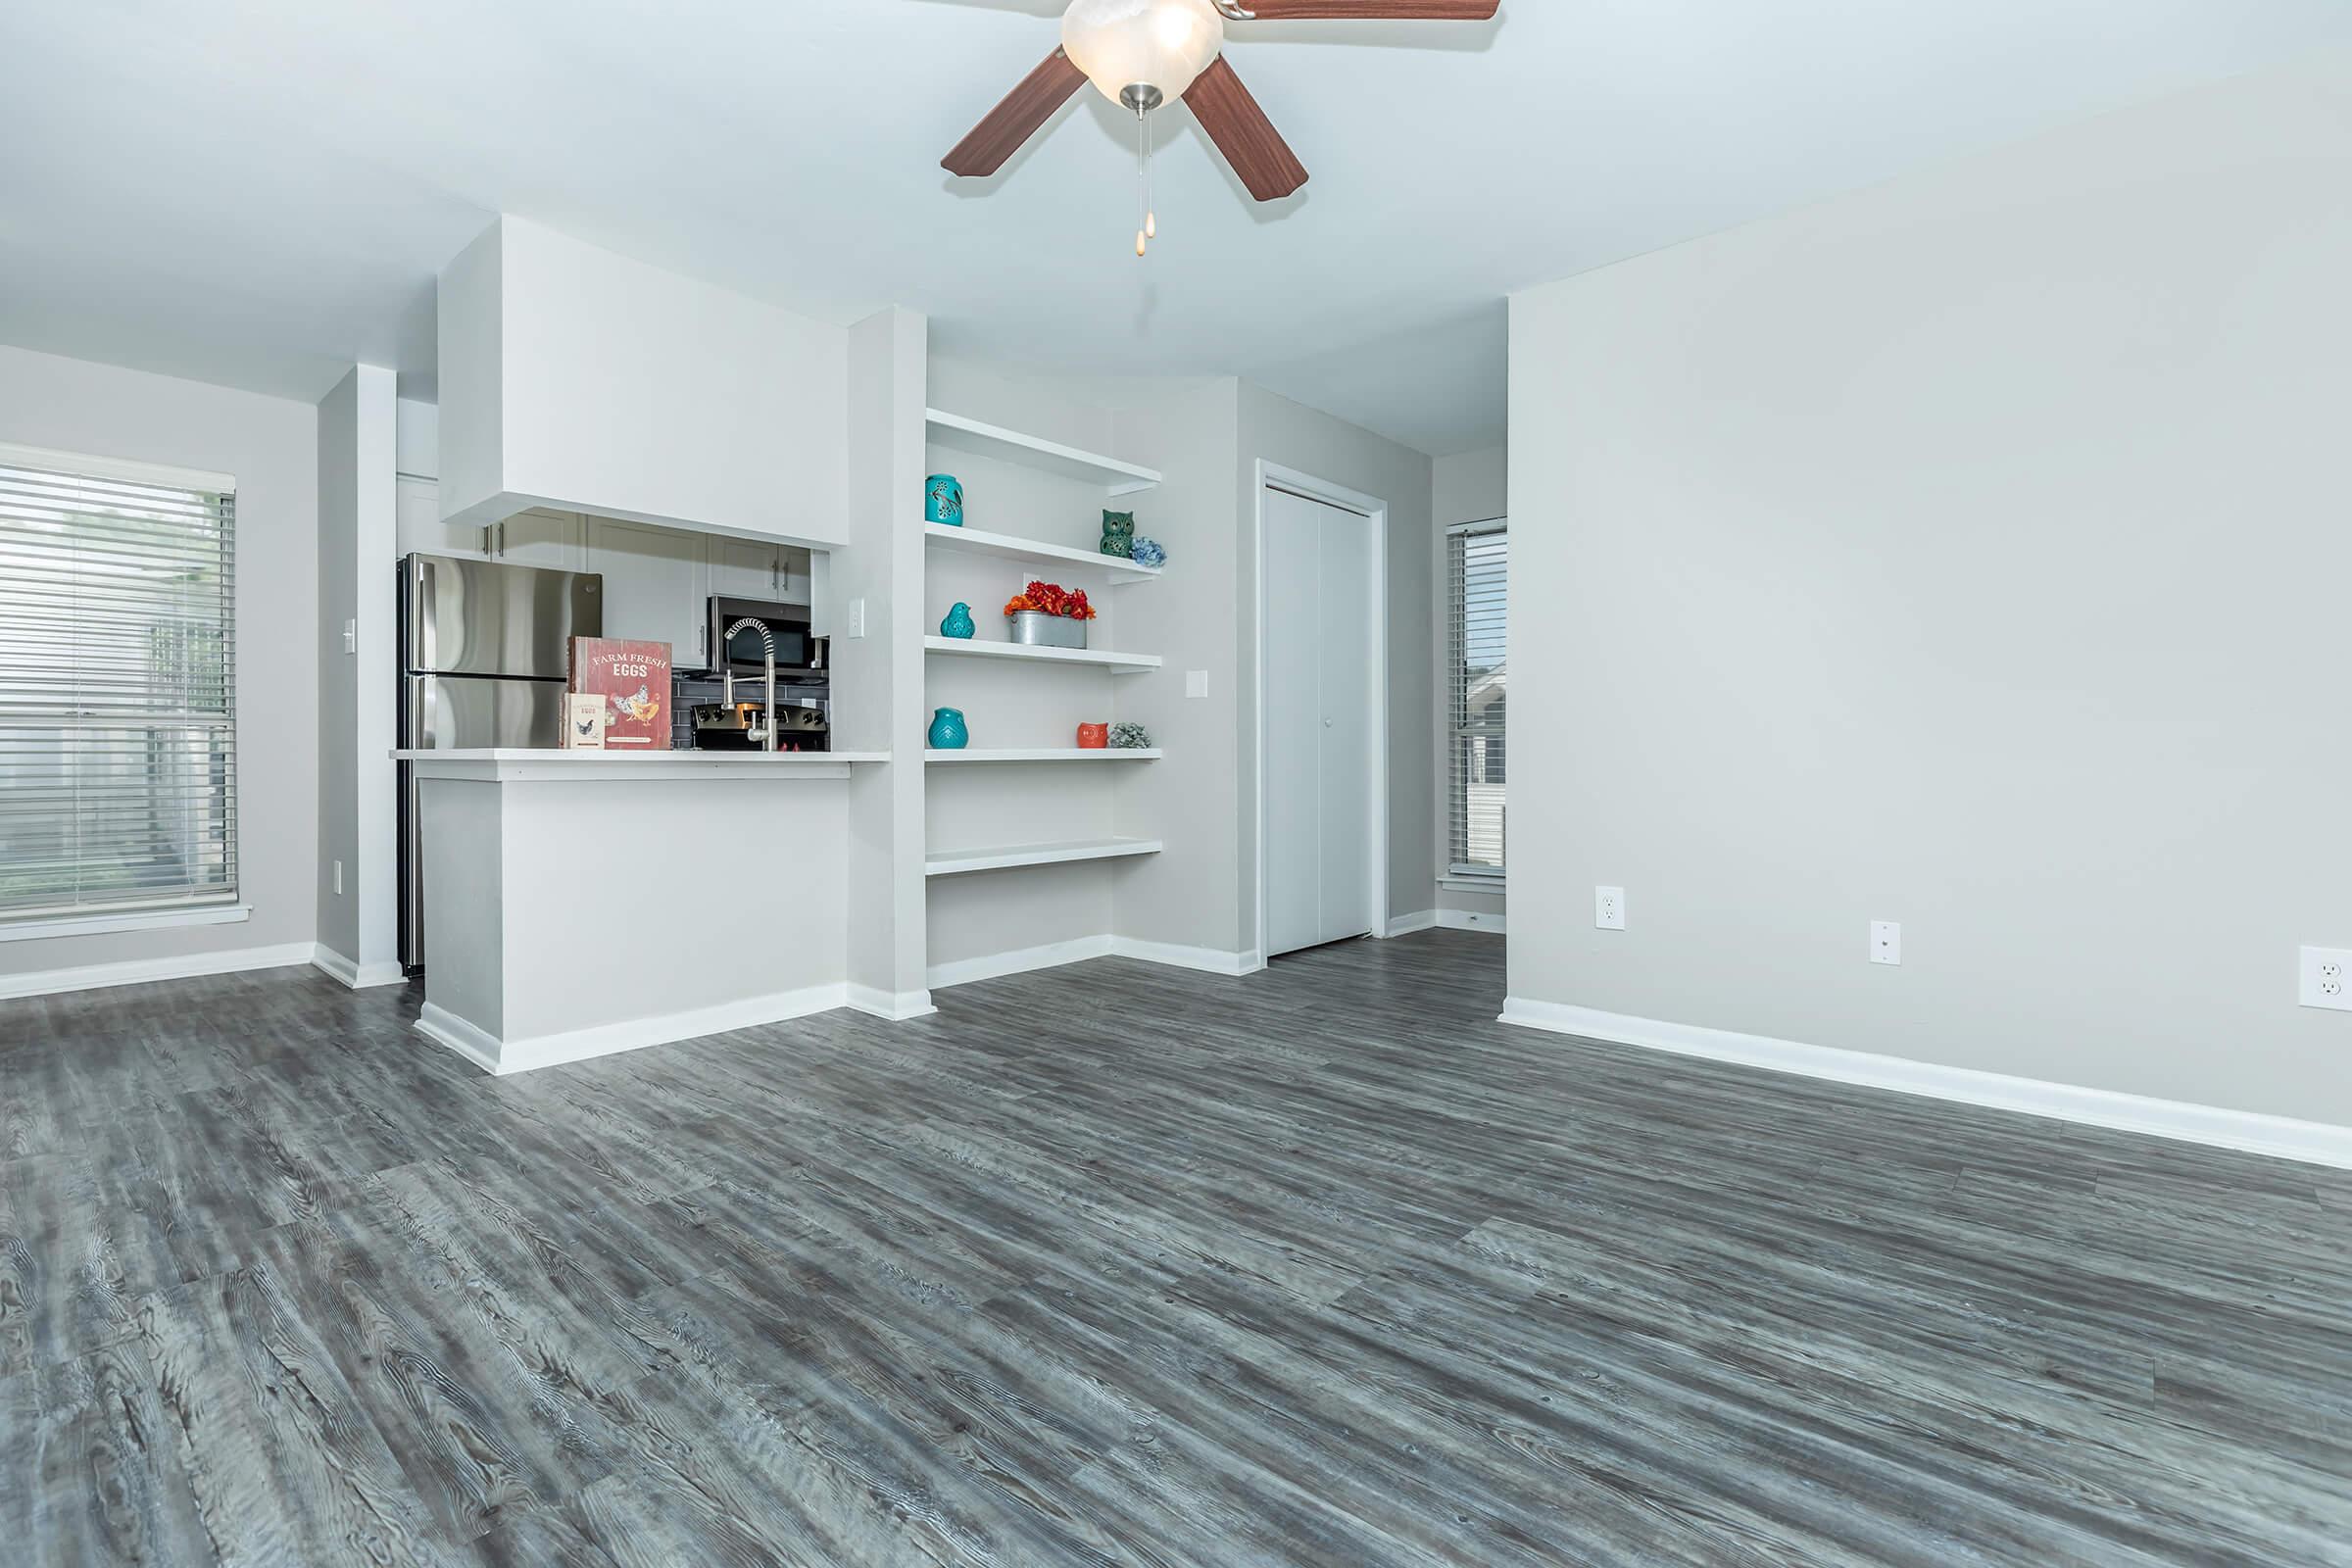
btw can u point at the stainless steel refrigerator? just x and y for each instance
(482, 664)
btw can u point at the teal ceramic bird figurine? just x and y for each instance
(958, 622)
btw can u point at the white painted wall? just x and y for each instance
(357, 821)
(575, 378)
(269, 445)
(1467, 487)
(1968, 552)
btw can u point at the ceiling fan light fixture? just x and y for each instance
(1141, 53)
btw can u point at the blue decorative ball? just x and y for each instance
(1147, 553)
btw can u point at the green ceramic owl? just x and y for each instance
(1118, 533)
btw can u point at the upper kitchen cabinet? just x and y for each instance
(575, 380)
(532, 538)
(417, 525)
(541, 538)
(656, 585)
(742, 570)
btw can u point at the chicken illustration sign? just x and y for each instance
(633, 679)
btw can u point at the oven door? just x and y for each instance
(797, 651)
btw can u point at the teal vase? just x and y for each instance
(958, 622)
(948, 733)
(943, 500)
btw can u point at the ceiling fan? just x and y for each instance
(1142, 53)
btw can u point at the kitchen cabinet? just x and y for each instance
(655, 584)
(743, 569)
(417, 525)
(537, 538)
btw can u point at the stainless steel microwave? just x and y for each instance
(798, 652)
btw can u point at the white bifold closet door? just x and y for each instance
(1318, 668)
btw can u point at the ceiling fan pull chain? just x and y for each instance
(1143, 185)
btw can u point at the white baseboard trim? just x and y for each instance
(1054, 954)
(143, 971)
(328, 962)
(1473, 921)
(995, 965)
(1209, 961)
(1400, 925)
(506, 1058)
(895, 1006)
(2250, 1131)
(445, 1028)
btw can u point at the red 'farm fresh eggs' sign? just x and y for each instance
(633, 679)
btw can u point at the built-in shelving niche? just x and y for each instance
(1117, 478)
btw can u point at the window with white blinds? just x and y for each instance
(1478, 559)
(118, 728)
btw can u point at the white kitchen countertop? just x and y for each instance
(681, 760)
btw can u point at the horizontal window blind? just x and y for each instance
(1478, 626)
(118, 725)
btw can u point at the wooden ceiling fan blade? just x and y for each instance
(1363, 9)
(1017, 119)
(1244, 133)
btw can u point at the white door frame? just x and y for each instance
(1375, 512)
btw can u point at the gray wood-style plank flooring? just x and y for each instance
(1123, 1265)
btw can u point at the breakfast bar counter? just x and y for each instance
(580, 902)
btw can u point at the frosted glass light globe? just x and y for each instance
(1151, 44)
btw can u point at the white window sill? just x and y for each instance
(1472, 884)
(90, 926)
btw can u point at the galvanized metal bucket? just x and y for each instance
(1038, 629)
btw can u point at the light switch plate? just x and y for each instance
(1885, 942)
(1196, 683)
(1609, 908)
(351, 636)
(854, 621)
(2326, 979)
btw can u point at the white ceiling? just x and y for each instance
(257, 192)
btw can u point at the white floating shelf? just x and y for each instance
(956, 862)
(995, 441)
(1084, 658)
(1053, 753)
(980, 542)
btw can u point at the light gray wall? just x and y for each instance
(1968, 552)
(269, 445)
(1467, 487)
(338, 672)
(877, 678)
(357, 821)
(1274, 429)
(1189, 895)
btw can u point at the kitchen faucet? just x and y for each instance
(767, 646)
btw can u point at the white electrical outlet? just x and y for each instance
(1609, 908)
(338, 879)
(1885, 942)
(854, 620)
(2326, 978)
